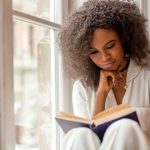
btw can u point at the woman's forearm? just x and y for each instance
(99, 103)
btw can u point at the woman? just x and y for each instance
(105, 47)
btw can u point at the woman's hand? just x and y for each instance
(108, 79)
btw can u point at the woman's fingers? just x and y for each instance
(108, 79)
(110, 76)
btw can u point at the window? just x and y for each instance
(29, 73)
(144, 6)
(34, 61)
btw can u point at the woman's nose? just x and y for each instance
(105, 56)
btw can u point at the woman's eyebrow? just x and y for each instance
(91, 48)
(110, 41)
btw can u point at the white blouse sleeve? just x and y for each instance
(79, 100)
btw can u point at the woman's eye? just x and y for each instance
(111, 45)
(93, 51)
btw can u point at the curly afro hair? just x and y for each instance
(76, 34)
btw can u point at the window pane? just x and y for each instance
(32, 85)
(39, 8)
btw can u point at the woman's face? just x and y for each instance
(106, 50)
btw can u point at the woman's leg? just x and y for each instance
(125, 134)
(81, 139)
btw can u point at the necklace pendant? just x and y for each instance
(125, 87)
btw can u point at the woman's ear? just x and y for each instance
(127, 55)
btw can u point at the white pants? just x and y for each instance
(124, 134)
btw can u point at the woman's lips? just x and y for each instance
(108, 65)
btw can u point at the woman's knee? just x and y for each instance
(121, 131)
(81, 133)
(82, 138)
(125, 126)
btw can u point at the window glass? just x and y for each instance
(39, 8)
(32, 85)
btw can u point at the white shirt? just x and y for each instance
(137, 95)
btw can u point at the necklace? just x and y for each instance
(123, 75)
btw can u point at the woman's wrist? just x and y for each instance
(101, 93)
(101, 98)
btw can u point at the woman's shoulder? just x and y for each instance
(145, 73)
(146, 69)
(139, 68)
(78, 84)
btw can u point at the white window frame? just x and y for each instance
(7, 128)
(7, 135)
(143, 6)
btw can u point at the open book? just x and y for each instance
(100, 122)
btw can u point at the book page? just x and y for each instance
(71, 117)
(113, 116)
(111, 110)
